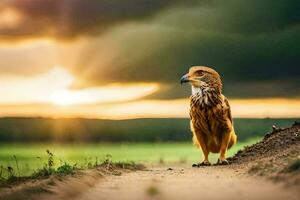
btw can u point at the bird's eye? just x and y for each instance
(200, 73)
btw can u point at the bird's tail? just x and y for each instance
(233, 139)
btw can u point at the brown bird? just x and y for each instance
(211, 120)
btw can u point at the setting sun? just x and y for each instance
(64, 98)
(54, 87)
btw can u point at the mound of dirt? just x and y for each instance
(276, 156)
(274, 143)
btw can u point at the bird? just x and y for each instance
(210, 114)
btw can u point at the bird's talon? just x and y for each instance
(195, 165)
(222, 162)
(204, 163)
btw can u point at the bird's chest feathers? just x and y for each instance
(197, 91)
(204, 98)
(206, 106)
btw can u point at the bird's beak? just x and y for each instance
(184, 79)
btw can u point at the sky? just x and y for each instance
(124, 59)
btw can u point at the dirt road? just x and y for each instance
(181, 182)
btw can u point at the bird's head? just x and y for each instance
(203, 78)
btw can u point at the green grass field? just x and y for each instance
(30, 157)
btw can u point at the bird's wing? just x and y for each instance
(229, 109)
(221, 117)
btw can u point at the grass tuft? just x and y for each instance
(109, 164)
(49, 168)
(9, 175)
(66, 169)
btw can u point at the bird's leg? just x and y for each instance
(205, 161)
(224, 145)
(205, 151)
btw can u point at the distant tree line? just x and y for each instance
(134, 130)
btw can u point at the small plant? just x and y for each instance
(128, 165)
(90, 165)
(1, 173)
(8, 173)
(10, 170)
(107, 162)
(11, 174)
(96, 162)
(65, 169)
(108, 158)
(50, 159)
(43, 172)
(17, 164)
(49, 169)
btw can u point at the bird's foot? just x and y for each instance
(222, 162)
(204, 163)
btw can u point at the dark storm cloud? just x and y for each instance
(255, 16)
(253, 43)
(166, 57)
(65, 19)
(68, 18)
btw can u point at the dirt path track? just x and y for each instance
(222, 182)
